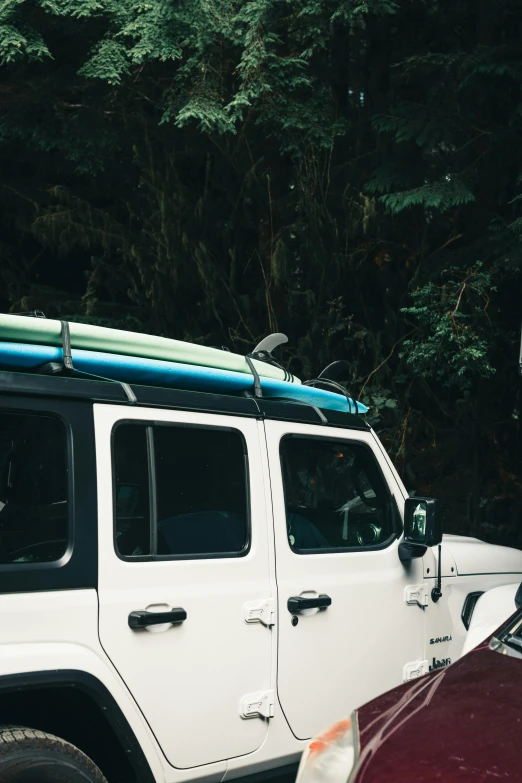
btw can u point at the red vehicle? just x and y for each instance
(462, 724)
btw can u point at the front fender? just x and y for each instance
(493, 609)
(47, 664)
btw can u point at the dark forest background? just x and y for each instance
(348, 172)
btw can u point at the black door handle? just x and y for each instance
(299, 602)
(143, 619)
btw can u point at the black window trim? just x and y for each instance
(153, 495)
(70, 510)
(336, 550)
(149, 425)
(78, 567)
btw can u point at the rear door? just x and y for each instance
(183, 532)
(336, 520)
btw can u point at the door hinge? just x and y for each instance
(414, 669)
(261, 612)
(257, 705)
(416, 594)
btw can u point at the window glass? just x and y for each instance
(33, 489)
(197, 493)
(131, 491)
(335, 495)
(201, 491)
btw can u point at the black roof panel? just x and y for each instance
(53, 386)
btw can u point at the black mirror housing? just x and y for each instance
(422, 524)
(422, 527)
(409, 551)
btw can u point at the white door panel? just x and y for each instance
(188, 679)
(339, 657)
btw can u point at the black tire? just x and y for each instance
(32, 756)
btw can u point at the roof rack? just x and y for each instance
(18, 384)
(67, 366)
(95, 363)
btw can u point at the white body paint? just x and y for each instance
(492, 610)
(182, 688)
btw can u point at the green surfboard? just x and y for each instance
(43, 331)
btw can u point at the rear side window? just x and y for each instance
(179, 491)
(335, 496)
(131, 491)
(33, 489)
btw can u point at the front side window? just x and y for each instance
(335, 496)
(179, 491)
(33, 489)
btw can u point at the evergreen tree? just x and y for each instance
(346, 171)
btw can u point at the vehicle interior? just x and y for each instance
(335, 495)
(200, 491)
(33, 488)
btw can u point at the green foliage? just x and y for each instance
(383, 408)
(217, 169)
(456, 328)
(76, 9)
(351, 9)
(234, 56)
(441, 195)
(18, 40)
(108, 61)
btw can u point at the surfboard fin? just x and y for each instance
(263, 352)
(270, 343)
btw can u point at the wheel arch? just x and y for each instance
(76, 706)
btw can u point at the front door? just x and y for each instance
(183, 534)
(345, 629)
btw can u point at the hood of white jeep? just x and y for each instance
(473, 556)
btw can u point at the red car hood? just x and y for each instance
(459, 725)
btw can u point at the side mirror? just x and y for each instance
(422, 527)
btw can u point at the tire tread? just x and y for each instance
(11, 736)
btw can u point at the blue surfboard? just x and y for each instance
(173, 375)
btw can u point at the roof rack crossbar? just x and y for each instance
(318, 411)
(125, 386)
(67, 366)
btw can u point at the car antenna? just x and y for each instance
(436, 593)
